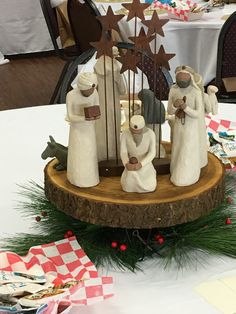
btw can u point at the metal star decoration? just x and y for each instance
(155, 25)
(142, 40)
(135, 9)
(110, 20)
(103, 46)
(129, 61)
(162, 58)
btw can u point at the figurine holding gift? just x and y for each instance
(82, 111)
(138, 149)
(185, 101)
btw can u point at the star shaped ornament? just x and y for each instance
(141, 42)
(135, 9)
(155, 25)
(110, 20)
(162, 58)
(129, 61)
(103, 46)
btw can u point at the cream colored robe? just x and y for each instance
(120, 89)
(82, 163)
(185, 157)
(144, 179)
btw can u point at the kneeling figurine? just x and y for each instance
(138, 149)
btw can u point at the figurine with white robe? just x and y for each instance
(82, 111)
(138, 149)
(185, 101)
(209, 105)
(109, 125)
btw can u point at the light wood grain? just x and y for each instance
(107, 204)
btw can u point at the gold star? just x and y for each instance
(135, 9)
(162, 58)
(155, 25)
(129, 61)
(103, 46)
(110, 20)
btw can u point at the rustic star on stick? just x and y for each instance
(129, 61)
(110, 20)
(155, 25)
(135, 9)
(162, 58)
(103, 46)
(142, 40)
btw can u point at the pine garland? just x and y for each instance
(214, 233)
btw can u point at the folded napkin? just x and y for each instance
(61, 262)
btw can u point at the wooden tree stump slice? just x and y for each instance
(106, 204)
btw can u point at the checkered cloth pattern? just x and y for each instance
(180, 13)
(62, 261)
(217, 125)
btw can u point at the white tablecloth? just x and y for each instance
(194, 42)
(23, 137)
(22, 27)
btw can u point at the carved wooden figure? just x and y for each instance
(185, 101)
(138, 149)
(82, 111)
(110, 86)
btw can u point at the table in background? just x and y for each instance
(23, 136)
(22, 27)
(194, 42)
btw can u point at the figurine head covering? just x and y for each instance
(87, 80)
(137, 122)
(195, 78)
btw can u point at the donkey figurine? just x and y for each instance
(57, 150)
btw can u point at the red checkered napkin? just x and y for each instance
(86, 293)
(180, 13)
(217, 125)
(61, 261)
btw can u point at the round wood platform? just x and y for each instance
(106, 204)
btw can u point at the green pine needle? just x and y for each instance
(186, 244)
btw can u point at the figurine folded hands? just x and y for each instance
(180, 103)
(133, 164)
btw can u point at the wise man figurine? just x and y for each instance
(138, 149)
(82, 111)
(185, 101)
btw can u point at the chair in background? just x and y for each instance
(84, 25)
(226, 61)
(68, 54)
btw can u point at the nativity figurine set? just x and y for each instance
(94, 112)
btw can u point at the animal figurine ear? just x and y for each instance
(50, 145)
(52, 139)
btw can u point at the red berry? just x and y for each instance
(70, 233)
(114, 244)
(158, 236)
(228, 221)
(123, 247)
(66, 236)
(229, 200)
(44, 213)
(37, 218)
(161, 240)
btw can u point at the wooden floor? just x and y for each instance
(28, 81)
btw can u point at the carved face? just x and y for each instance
(183, 79)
